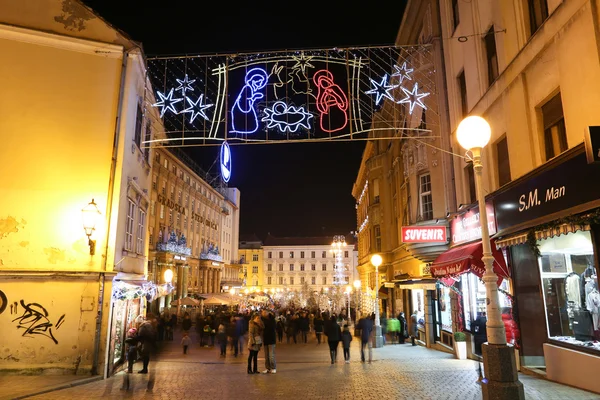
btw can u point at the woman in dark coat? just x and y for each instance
(319, 327)
(403, 333)
(334, 335)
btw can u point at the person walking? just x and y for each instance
(240, 330)
(319, 327)
(414, 328)
(366, 326)
(234, 336)
(222, 337)
(403, 333)
(280, 327)
(346, 339)
(334, 335)
(269, 340)
(255, 329)
(304, 326)
(186, 324)
(185, 342)
(147, 338)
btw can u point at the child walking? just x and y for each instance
(346, 339)
(185, 342)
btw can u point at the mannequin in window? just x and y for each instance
(589, 271)
(573, 289)
(593, 305)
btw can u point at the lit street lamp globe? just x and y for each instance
(357, 284)
(473, 132)
(376, 260)
(168, 275)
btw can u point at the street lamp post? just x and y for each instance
(357, 289)
(376, 260)
(473, 134)
(348, 291)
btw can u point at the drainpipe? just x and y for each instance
(109, 206)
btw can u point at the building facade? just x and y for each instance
(291, 262)
(192, 230)
(525, 67)
(404, 185)
(251, 260)
(59, 269)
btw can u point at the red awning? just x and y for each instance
(467, 258)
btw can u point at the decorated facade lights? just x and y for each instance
(337, 247)
(166, 103)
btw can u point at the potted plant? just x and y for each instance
(460, 345)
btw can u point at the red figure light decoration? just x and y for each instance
(332, 102)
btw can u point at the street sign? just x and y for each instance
(592, 144)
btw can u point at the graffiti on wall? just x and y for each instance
(3, 302)
(34, 321)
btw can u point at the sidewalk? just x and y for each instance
(23, 386)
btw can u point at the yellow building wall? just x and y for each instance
(57, 129)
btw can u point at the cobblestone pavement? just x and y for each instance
(304, 371)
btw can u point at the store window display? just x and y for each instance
(444, 310)
(570, 287)
(418, 306)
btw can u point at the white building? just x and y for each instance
(289, 262)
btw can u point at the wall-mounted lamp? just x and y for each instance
(90, 214)
(168, 275)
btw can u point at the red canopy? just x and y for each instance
(467, 258)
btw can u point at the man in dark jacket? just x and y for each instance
(269, 340)
(366, 326)
(304, 326)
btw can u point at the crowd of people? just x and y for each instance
(262, 330)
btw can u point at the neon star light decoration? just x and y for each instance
(381, 89)
(167, 103)
(402, 72)
(225, 161)
(413, 98)
(244, 118)
(196, 108)
(185, 84)
(302, 62)
(331, 102)
(286, 118)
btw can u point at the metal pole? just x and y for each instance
(502, 379)
(495, 327)
(377, 338)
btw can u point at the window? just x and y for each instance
(377, 230)
(269, 267)
(324, 254)
(139, 119)
(313, 280)
(538, 13)
(255, 269)
(555, 134)
(141, 231)
(491, 55)
(502, 158)
(291, 254)
(291, 280)
(254, 257)
(268, 280)
(269, 255)
(301, 254)
(346, 254)
(147, 138)
(301, 267)
(324, 267)
(324, 280)
(281, 280)
(170, 216)
(151, 236)
(375, 191)
(302, 280)
(162, 211)
(425, 199)
(462, 87)
(281, 267)
(164, 188)
(313, 267)
(291, 267)
(455, 14)
(470, 177)
(312, 254)
(255, 282)
(281, 254)
(129, 225)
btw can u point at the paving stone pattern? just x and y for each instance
(305, 372)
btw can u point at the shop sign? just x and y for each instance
(456, 269)
(424, 234)
(467, 227)
(566, 185)
(196, 217)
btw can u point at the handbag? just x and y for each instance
(257, 339)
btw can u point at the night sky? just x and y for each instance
(286, 189)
